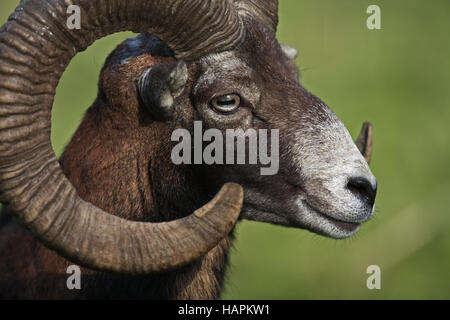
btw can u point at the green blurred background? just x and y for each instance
(399, 79)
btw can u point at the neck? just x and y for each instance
(135, 182)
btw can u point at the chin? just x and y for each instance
(325, 224)
(305, 216)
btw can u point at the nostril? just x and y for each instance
(363, 189)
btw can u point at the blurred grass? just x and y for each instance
(398, 78)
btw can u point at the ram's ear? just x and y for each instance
(160, 85)
(291, 52)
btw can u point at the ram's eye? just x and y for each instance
(227, 103)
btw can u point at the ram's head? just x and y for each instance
(222, 66)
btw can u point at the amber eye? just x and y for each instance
(227, 103)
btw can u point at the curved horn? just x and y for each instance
(36, 46)
(265, 11)
(365, 141)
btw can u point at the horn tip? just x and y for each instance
(365, 141)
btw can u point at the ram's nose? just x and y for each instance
(363, 189)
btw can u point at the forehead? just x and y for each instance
(226, 61)
(225, 73)
(220, 67)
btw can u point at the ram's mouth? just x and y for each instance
(330, 226)
(304, 216)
